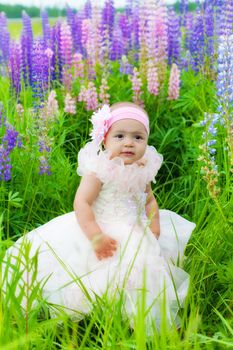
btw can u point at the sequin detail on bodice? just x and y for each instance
(113, 205)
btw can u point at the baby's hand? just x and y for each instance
(104, 246)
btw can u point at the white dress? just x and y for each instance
(72, 277)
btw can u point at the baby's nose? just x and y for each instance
(128, 141)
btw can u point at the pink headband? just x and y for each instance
(129, 112)
(103, 119)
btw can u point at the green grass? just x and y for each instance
(15, 27)
(30, 200)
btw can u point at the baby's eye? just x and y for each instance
(138, 137)
(119, 136)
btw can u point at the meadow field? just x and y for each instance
(15, 27)
(54, 75)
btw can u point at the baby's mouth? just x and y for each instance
(127, 153)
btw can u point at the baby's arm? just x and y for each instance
(152, 211)
(86, 194)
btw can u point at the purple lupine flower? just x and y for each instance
(66, 55)
(44, 168)
(174, 37)
(10, 138)
(108, 17)
(125, 66)
(225, 90)
(225, 74)
(46, 28)
(226, 18)
(209, 168)
(2, 116)
(124, 25)
(224, 117)
(39, 73)
(185, 57)
(3, 21)
(56, 62)
(197, 41)
(5, 166)
(87, 9)
(135, 32)
(9, 141)
(129, 25)
(26, 47)
(46, 117)
(71, 21)
(209, 21)
(183, 11)
(15, 67)
(129, 10)
(4, 39)
(77, 38)
(190, 19)
(117, 47)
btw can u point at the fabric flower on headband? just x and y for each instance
(99, 121)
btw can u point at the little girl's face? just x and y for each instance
(127, 139)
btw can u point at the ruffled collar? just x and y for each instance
(134, 176)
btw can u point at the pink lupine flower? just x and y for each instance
(104, 95)
(49, 53)
(66, 54)
(96, 35)
(174, 83)
(87, 43)
(91, 97)
(69, 104)
(152, 79)
(92, 39)
(52, 105)
(78, 66)
(136, 87)
(153, 37)
(156, 30)
(161, 34)
(85, 31)
(82, 94)
(142, 35)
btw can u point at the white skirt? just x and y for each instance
(71, 276)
